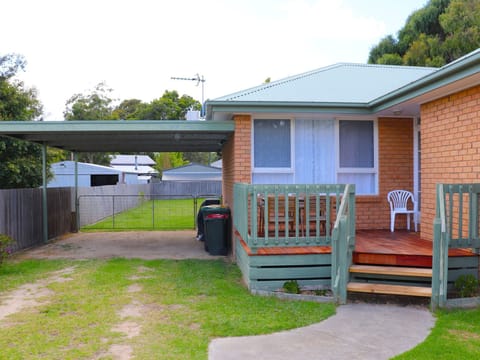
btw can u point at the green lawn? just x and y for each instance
(185, 304)
(172, 214)
(456, 335)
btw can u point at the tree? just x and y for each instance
(168, 107)
(20, 161)
(461, 22)
(440, 32)
(168, 160)
(94, 105)
(128, 109)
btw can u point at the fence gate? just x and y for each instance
(138, 212)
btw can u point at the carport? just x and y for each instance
(121, 135)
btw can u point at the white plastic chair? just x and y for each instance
(398, 200)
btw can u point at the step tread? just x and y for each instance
(391, 270)
(389, 289)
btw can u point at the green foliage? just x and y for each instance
(204, 158)
(168, 107)
(94, 105)
(291, 287)
(466, 285)
(461, 22)
(440, 32)
(20, 162)
(390, 59)
(128, 109)
(165, 161)
(5, 246)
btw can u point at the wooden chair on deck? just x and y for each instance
(281, 213)
(312, 216)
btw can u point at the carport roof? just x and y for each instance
(126, 136)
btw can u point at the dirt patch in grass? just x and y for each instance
(465, 335)
(147, 245)
(31, 295)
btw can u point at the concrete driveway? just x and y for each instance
(146, 245)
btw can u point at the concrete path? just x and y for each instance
(357, 331)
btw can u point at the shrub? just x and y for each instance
(5, 246)
(291, 287)
(466, 285)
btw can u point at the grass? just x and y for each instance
(456, 335)
(163, 214)
(185, 304)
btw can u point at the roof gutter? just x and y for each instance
(285, 107)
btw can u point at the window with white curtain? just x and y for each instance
(272, 144)
(357, 155)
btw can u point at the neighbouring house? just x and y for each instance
(138, 164)
(193, 172)
(378, 127)
(217, 164)
(88, 175)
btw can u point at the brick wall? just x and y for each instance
(450, 147)
(236, 155)
(395, 157)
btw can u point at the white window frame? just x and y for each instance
(276, 170)
(350, 170)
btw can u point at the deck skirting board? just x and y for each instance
(270, 272)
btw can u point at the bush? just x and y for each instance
(291, 287)
(466, 285)
(5, 246)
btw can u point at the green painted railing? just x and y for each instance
(299, 215)
(455, 226)
(343, 244)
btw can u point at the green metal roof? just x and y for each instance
(126, 136)
(340, 83)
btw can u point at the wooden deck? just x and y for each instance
(378, 247)
(383, 262)
(400, 248)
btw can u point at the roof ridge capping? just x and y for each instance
(303, 75)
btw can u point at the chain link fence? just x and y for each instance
(139, 212)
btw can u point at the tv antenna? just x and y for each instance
(197, 78)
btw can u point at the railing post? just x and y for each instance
(343, 263)
(335, 262)
(440, 251)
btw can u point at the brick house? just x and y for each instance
(379, 127)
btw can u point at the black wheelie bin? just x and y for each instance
(216, 220)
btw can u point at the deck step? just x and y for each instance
(391, 270)
(373, 288)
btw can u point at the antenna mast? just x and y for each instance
(198, 79)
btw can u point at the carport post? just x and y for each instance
(77, 207)
(44, 193)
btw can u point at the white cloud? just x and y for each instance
(137, 46)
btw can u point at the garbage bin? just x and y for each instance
(217, 229)
(200, 223)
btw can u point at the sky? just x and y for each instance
(135, 47)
